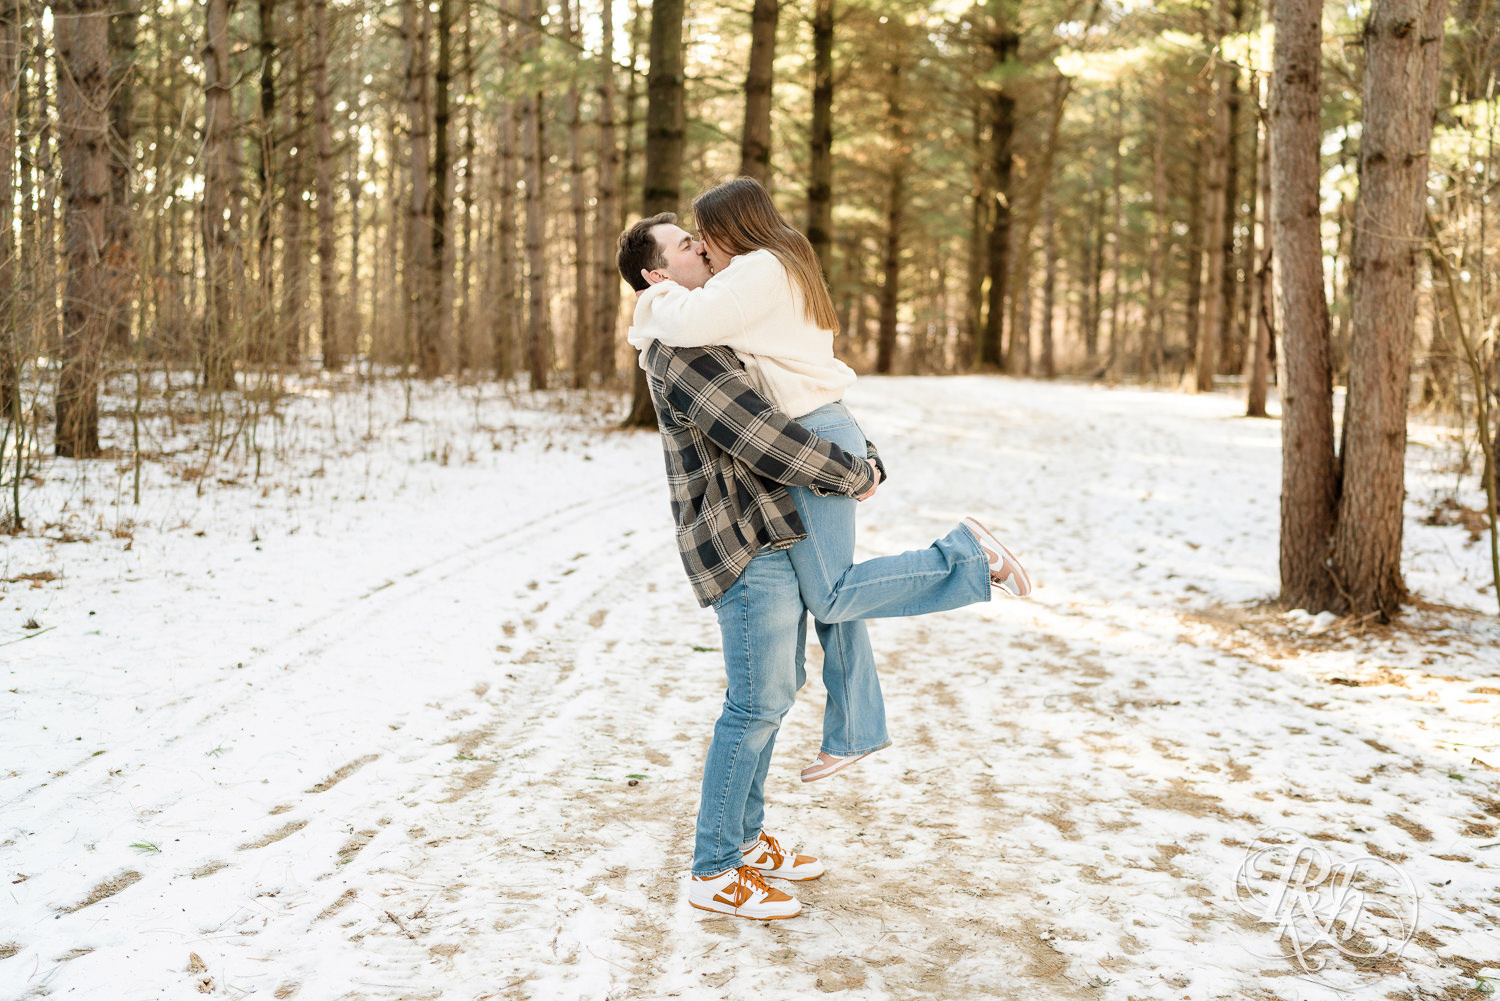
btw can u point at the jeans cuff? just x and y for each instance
(850, 754)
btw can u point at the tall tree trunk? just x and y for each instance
(10, 335)
(1149, 363)
(1403, 46)
(464, 339)
(665, 118)
(1117, 235)
(507, 325)
(82, 32)
(1195, 241)
(439, 335)
(1262, 308)
(1245, 262)
(333, 354)
(418, 271)
(1206, 349)
(628, 205)
(388, 297)
(583, 319)
(262, 325)
(48, 320)
(1048, 359)
(607, 276)
(1018, 347)
(980, 201)
(351, 332)
(755, 143)
(1230, 351)
(665, 110)
(119, 251)
(217, 336)
(1088, 283)
(1342, 279)
(538, 319)
(890, 263)
(1004, 42)
(820, 140)
(1095, 317)
(291, 339)
(1309, 482)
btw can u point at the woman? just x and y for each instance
(767, 301)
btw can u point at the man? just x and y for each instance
(730, 456)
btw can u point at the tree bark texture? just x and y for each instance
(333, 355)
(295, 285)
(463, 342)
(755, 144)
(665, 118)
(1403, 48)
(82, 32)
(1048, 355)
(217, 348)
(1262, 308)
(583, 320)
(1117, 234)
(439, 338)
(820, 139)
(261, 325)
(1005, 44)
(890, 262)
(1149, 362)
(538, 314)
(1229, 349)
(417, 274)
(665, 111)
(10, 335)
(507, 331)
(1206, 348)
(119, 250)
(1193, 309)
(607, 276)
(1309, 482)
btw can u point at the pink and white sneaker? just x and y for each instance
(829, 764)
(1006, 572)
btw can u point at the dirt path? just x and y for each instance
(504, 808)
(1076, 784)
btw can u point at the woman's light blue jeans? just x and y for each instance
(841, 594)
(763, 623)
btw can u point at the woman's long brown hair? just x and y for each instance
(739, 216)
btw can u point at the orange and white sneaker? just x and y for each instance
(771, 859)
(1006, 572)
(741, 892)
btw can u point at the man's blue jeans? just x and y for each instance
(764, 628)
(763, 624)
(950, 573)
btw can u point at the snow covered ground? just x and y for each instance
(417, 709)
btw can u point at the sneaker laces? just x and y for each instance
(773, 847)
(751, 879)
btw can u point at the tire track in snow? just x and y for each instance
(358, 786)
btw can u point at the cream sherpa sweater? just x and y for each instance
(755, 308)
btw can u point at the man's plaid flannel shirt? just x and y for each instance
(730, 455)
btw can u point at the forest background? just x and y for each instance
(210, 204)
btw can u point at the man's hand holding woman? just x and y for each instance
(875, 472)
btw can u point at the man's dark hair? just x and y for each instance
(640, 250)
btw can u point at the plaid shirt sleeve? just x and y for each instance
(873, 455)
(718, 399)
